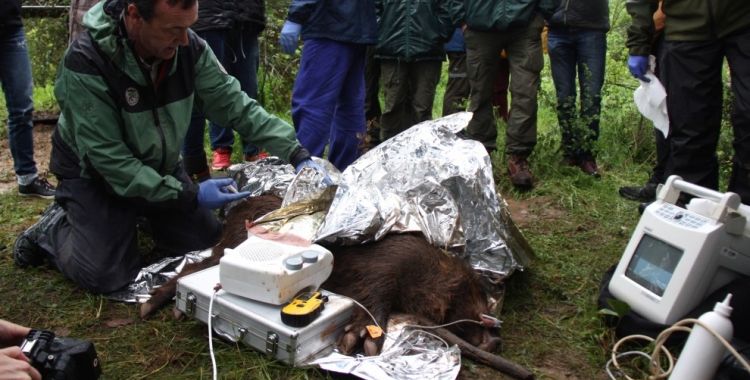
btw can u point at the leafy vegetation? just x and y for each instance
(577, 226)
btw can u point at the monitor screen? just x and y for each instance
(653, 264)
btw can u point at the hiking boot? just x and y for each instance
(38, 188)
(520, 176)
(642, 207)
(645, 193)
(222, 159)
(252, 158)
(26, 250)
(588, 166)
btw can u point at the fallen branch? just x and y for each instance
(505, 366)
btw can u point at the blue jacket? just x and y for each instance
(457, 43)
(351, 21)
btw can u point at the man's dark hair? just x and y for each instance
(146, 7)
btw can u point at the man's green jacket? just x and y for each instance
(499, 15)
(125, 125)
(412, 31)
(687, 20)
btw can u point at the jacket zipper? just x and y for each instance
(711, 21)
(155, 112)
(408, 19)
(565, 13)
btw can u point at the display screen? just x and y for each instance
(653, 264)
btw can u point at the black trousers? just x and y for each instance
(694, 102)
(96, 243)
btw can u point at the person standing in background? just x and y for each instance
(411, 36)
(500, 88)
(516, 26)
(647, 192)
(577, 45)
(372, 98)
(18, 87)
(328, 99)
(457, 89)
(231, 29)
(698, 36)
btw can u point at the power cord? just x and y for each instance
(497, 322)
(654, 365)
(210, 331)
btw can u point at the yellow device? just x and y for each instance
(303, 309)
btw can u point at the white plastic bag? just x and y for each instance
(651, 99)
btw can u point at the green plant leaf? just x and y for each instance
(620, 307)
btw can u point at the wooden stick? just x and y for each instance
(505, 366)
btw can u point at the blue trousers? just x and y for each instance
(578, 52)
(328, 100)
(15, 76)
(237, 50)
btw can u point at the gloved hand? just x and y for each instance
(638, 65)
(290, 36)
(310, 163)
(214, 193)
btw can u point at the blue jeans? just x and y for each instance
(15, 76)
(237, 50)
(328, 100)
(583, 52)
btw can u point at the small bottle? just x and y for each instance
(703, 352)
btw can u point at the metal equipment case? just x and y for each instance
(258, 324)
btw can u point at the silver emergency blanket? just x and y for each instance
(417, 355)
(425, 179)
(430, 180)
(154, 276)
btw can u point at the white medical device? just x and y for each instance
(273, 272)
(676, 257)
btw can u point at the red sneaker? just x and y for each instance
(222, 159)
(256, 157)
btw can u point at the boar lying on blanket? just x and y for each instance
(400, 273)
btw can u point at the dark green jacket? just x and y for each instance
(115, 125)
(412, 30)
(499, 15)
(687, 20)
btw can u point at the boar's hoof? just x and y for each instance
(348, 342)
(371, 347)
(146, 310)
(178, 314)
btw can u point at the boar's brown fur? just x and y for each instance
(400, 273)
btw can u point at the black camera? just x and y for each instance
(61, 358)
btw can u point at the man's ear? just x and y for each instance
(132, 13)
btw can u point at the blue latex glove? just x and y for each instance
(311, 164)
(290, 36)
(214, 193)
(638, 65)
